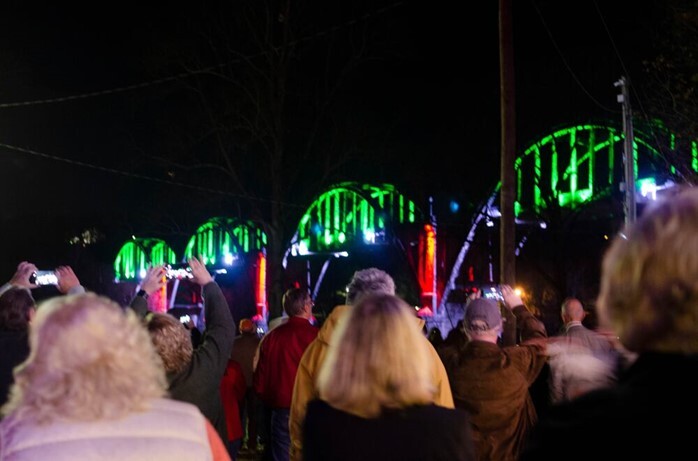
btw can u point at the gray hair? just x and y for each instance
(369, 281)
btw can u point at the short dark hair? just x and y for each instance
(294, 300)
(15, 306)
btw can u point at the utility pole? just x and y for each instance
(628, 153)
(507, 230)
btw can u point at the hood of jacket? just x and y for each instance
(337, 314)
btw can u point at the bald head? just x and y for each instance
(572, 310)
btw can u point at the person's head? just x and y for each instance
(89, 360)
(483, 320)
(572, 310)
(171, 339)
(247, 327)
(369, 281)
(17, 308)
(649, 289)
(297, 303)
(380, 359)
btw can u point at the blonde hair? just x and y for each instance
(649, 288)
(379, 360)
(171, 339)
(89, 360)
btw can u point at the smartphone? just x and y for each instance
(178, 271)
(492, 292)
(42, 278)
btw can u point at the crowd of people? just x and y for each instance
(82, 377)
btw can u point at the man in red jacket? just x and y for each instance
(279, 354)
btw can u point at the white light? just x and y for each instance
(489, 223)
(228, 259)
(302, 248)
(341, 254)
(543, 225)
(369, 236)
(220, 271)
(142, 273)
(649, 190)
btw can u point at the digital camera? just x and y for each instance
(42, 278)
(178, 271)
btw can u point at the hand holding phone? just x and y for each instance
(25, 270)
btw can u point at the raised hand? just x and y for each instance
(199, 271)
(511, 299)
(154, 279)
(66, 279)
(21, 278)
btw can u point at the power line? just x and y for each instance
(143, 177)
(183, 75)
(564, 61)
(109, 91)
(634, 91)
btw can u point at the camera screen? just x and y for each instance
(492, 292)
(44, 278)
(179, 273)
(185, 319)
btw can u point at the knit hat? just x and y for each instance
(246, 326)
(482, 314)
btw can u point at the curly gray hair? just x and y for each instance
(369, 281)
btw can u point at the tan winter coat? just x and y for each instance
(305, 389)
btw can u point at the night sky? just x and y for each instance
(435, 87)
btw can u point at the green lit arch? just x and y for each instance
(221, 237)
(351, 213)
(577, 163)
(137, 254)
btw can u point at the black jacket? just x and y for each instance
(199, 383)
(416, 433)
(649, 414)
(14, 349)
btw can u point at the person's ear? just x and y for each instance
(31, 314)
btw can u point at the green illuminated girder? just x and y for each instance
(220, 236)
(573, 163)
(136, 255)
(347, 212)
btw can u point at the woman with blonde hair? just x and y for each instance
(377, 393)
(94, 388)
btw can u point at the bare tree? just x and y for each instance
(256, 115)
(670, 91)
